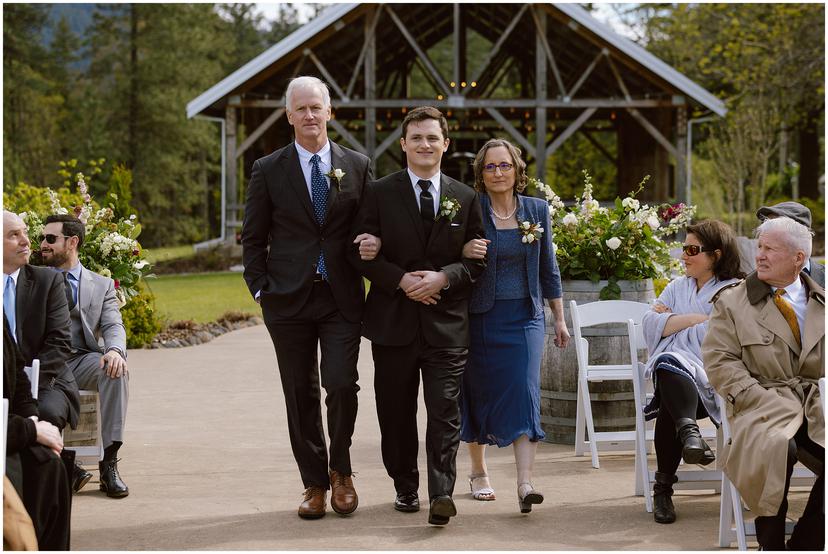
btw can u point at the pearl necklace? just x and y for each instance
(502, 218)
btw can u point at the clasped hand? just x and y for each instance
(424, 286)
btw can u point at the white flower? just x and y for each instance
(141, 264)
(570, 219)
(630, 203)
(338, 174)
(539, 229)
(613, 243)
(105, 272)
(524, 239)
(653, 222)
(525, 224)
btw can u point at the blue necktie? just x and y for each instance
(73, 286)
(319, 190)
(9, 294)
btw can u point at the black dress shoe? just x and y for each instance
(441, 509)
(407, 502)
(111, 482)
(80, 477)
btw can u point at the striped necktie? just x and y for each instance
(788, 313)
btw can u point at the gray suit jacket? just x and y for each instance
(103, 327)
(818, 272)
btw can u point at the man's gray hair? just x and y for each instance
(795, 235)
(307, 81)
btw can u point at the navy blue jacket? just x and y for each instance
(541, 265)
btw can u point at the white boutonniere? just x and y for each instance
(336, 174)
(448, 208)
(530, 231)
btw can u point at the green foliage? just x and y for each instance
(23, 197)
(141, 320)
(120, 192)
(202, 297)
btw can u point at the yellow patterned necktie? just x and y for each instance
(788, 313)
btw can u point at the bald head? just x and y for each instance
(16, 246)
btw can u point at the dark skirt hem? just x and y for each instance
(534, 436)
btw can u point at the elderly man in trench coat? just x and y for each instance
(765, 359)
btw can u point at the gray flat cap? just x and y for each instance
(794, 210)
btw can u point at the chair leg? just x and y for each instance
(590, 427)
(738, 517)
(725, 515)
(580, 423)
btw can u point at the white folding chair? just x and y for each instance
(5, 430)
(732, 523)
(33, 373)
(587, 315)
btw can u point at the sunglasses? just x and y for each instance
(51, 239)
(695, 249)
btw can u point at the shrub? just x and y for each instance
(140, 319)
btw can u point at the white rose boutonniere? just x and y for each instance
(448, 208)
(337, 175)
(530, 231)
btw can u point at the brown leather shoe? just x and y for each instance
(313, 506)
(344, 498)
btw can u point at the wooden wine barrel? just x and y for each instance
(612, 401)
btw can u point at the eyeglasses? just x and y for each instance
(504, 167)
(50, 239)
(695, 249)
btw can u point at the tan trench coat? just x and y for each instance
(769, 384)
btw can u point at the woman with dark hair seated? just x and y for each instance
(674, 330)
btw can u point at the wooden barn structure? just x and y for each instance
(549, 67)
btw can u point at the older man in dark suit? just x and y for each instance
(34, 302)
(301, 203)
(416, 312)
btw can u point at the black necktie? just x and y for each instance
(426, 206)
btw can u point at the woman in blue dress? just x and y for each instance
(500, 391)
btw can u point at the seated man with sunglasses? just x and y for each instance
(98, 342)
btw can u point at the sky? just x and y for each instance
(603, 13)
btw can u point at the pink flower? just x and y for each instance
(117, 284)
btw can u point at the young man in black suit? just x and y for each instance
(301, 204)
(416, 313)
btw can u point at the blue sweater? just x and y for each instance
(541, 266)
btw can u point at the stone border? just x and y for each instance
(193, 334)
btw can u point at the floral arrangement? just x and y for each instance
(448, 208)
(530, 232)
(629, 241)
(110, 248)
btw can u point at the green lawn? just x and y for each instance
(167, 253)
(201, 297)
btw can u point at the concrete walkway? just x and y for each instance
(209, 467)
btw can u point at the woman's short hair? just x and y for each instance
(517, 161)
(795, 235)
(310, 82)
(717, 235)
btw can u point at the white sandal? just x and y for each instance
(484, 493)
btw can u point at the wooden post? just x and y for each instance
(540, 96)
(231, 208)
(370, 91)
(681, 192)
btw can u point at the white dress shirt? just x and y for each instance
(434, 188)
(305, 163)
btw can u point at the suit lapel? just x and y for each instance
(296, 179)
(22, 298)
(446, 191)
(86, 291)
(410, 202)
(338, 161)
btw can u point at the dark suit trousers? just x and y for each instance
(42, 481)
(809, 532)
(295, 340)
(396, 386)
(53, 405)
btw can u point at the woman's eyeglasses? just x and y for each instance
(504, 167)
(51, 239)
(695, 249)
